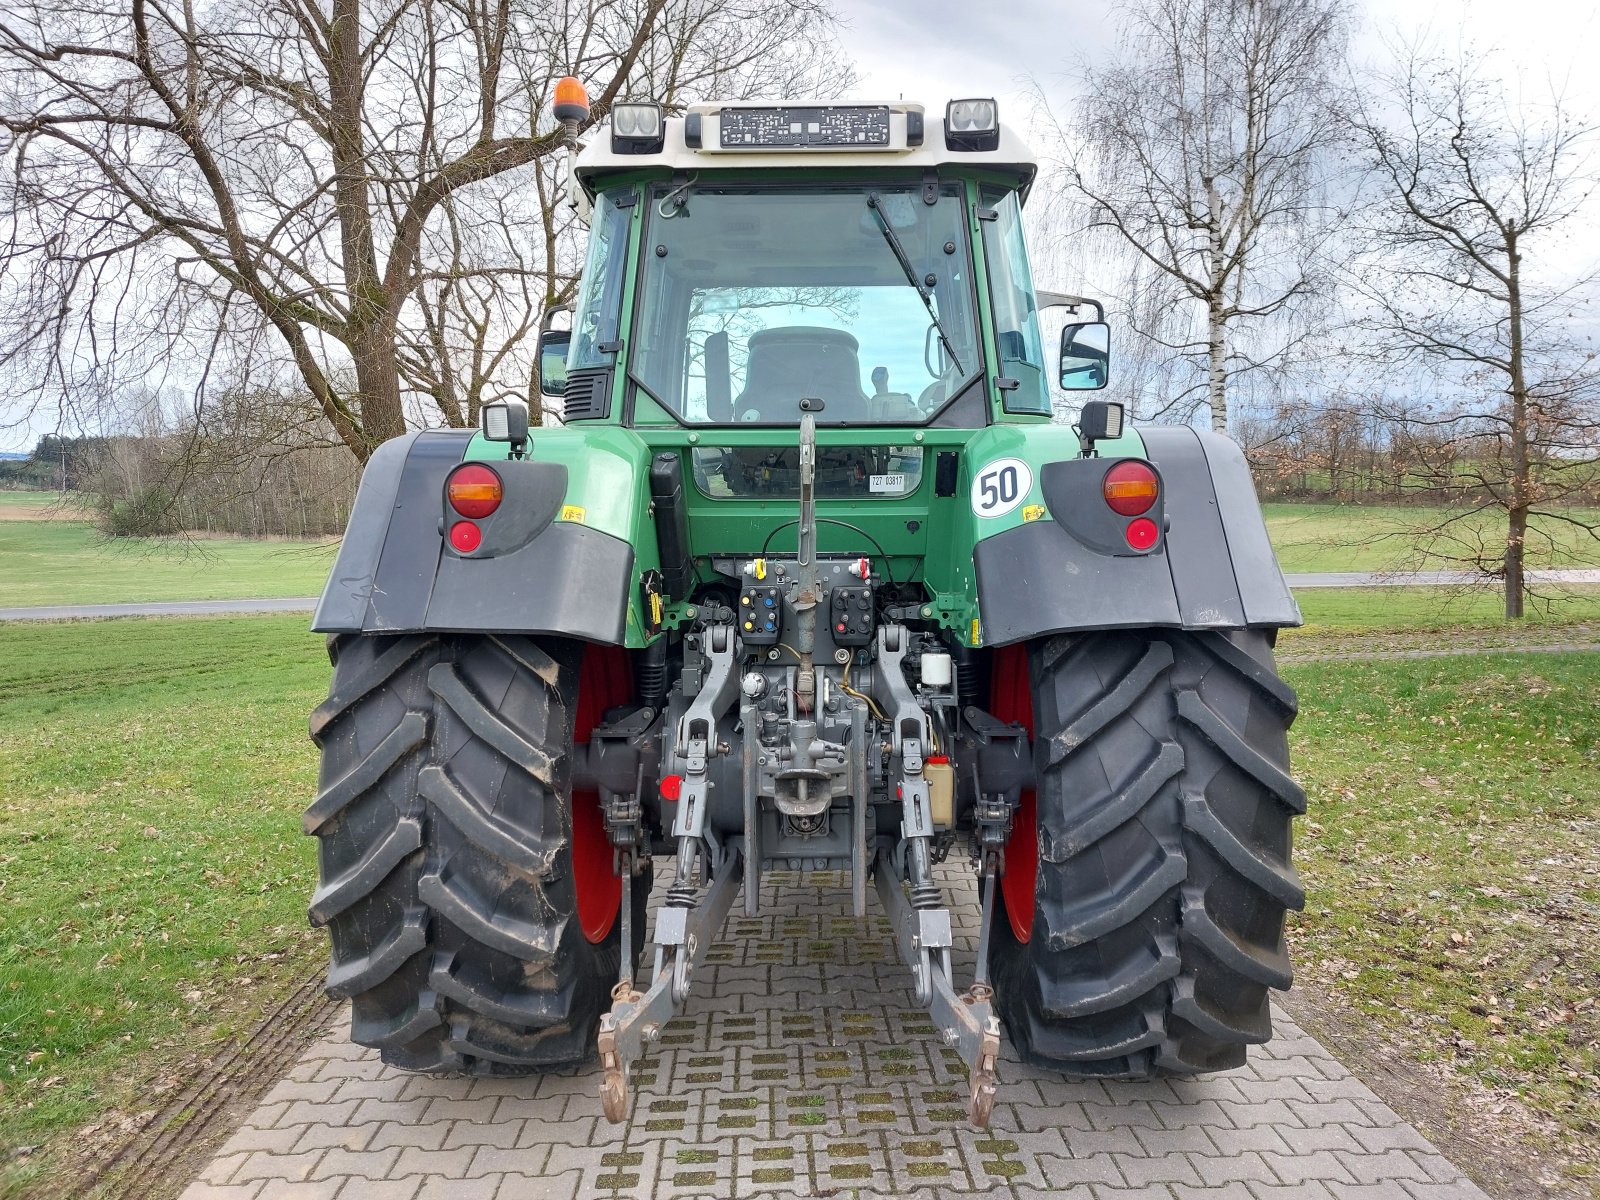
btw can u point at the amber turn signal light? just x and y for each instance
(1130, 488)
(474, 490)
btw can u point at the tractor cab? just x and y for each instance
(748, 263)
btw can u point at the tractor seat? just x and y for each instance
(795, 361)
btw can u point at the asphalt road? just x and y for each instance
(163, 608)
(294, 604)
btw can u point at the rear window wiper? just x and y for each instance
(875, 203)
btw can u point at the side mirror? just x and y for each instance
(1085, 356)
(553, 345)
(504, 421)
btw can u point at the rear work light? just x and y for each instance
(1130, 488)
(638, 128)
(473, 490)
(972, 125)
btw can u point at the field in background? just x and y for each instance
(44, 506)
(50, 555)
(67, 562)
(1344, 537)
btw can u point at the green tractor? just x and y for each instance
(807, 579)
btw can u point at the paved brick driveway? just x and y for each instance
(803, 1068)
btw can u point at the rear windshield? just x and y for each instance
(753, 301)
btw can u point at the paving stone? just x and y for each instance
(1301, 1168)
(276, 1141)
(223, 1191)
(804, 1067)
(1167, 1168)
(369, 1164)
(1308, 1190)
(1148, 1191)
(417, 1137)
(224, 1166)
(503, 1134)
(1228, 1191)
(1064, 1172)
(1461, 1190)
(290, 1167)
(1321, 1137)
(1390, 1137)
(1218, 1171)
(299, 1189)
(451, 1164)
(438, 1187)
(1388, 1164)
(1387, 1189)
(531, 1187)
(362, 1188)
(1169, 1141)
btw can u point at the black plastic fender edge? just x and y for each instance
(394, 575)
(1214, 568)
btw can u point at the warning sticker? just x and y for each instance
(571, 512)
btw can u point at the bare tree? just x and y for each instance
(1201, 147)
(1472, 189)
(366, 188)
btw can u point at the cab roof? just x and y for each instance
(913, 140)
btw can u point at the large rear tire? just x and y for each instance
(1147, 878)
(470, 910)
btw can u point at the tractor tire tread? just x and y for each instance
(1157, 931)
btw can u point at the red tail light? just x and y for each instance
(474, 490)
(1142, 534)
(1130, 488)
(465, 536)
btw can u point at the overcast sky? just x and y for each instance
(935, 50)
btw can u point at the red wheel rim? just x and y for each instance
(605, 680)
(1011, 699)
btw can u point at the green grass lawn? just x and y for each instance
(1348, 537)
(67, 562)
(1452, 857)
(1360, 612)
(153, 877)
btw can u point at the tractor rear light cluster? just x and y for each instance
(1130, 488)
(474, 491)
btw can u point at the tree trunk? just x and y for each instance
(1521, 491)
(1217, 387)
(371, 317)
(1216, 323)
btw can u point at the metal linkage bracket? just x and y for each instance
(967, 1021)
(696, 736)
(682, 937)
